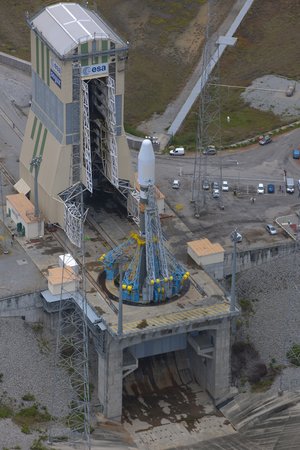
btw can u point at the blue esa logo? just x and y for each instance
(55, 78)
(95, 69)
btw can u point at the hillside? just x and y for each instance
(166, 37)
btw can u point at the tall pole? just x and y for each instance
(120, 312)
(5, 251)
(232, 294)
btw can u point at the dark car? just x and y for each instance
(263, 140)
(271, 188)
(215, 185)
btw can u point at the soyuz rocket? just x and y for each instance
(146, 177)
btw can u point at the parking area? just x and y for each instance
(255, 193)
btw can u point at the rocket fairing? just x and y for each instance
(146, 165)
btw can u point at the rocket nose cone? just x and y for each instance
(146, 164)
(146, 149)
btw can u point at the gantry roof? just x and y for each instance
(66, 25)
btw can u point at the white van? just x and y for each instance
(177, 151)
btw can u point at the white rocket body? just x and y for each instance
(146, 166)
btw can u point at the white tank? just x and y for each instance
(146, 164)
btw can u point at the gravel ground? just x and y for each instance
(271, 99)
(27, 366)
(273, 289)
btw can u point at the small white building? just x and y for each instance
(21, 211)
(208, 255)
(61, 280)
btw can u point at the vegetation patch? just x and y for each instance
(248, 367)
(28, 397)
(142, 324)
(32, 415)
(6, 411)
(293, 354)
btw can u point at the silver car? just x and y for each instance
(271, 229)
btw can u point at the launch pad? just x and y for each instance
(75, 127)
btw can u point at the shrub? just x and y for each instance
(28, 398)
(293, 355)
(31, 415)
(25, 429)
(5, 411)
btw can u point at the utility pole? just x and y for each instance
(234, 237)
(5, 251)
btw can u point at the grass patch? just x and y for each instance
(31, 416)
(293, 354)
(6, 412)
(25, 429)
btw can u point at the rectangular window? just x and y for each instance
(104, 49)
(48, 66)
(94, 49)
(33, 127)
(43, 60)
(37, 54)
(84, 48)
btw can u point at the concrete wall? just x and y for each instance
(255, 257)
(17, 63)
(27, 305)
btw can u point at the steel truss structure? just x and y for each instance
(156, 260)
(104, 128)
(86, 137)
(74, 213)
(72, 355)
(209, 113)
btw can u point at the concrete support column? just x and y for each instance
(221, 362)
(110, 380)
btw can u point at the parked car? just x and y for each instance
(216, 193)
(215, 185)
(205, 185)
(177, 151)
(260, 188)
(296, 154)
(176, 184)
(290, 90)
(263, 140)
(210, 150)
(271, 188)
(225, 187)
(271, 229)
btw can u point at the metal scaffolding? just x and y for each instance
(72, 330)
(86, 137)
